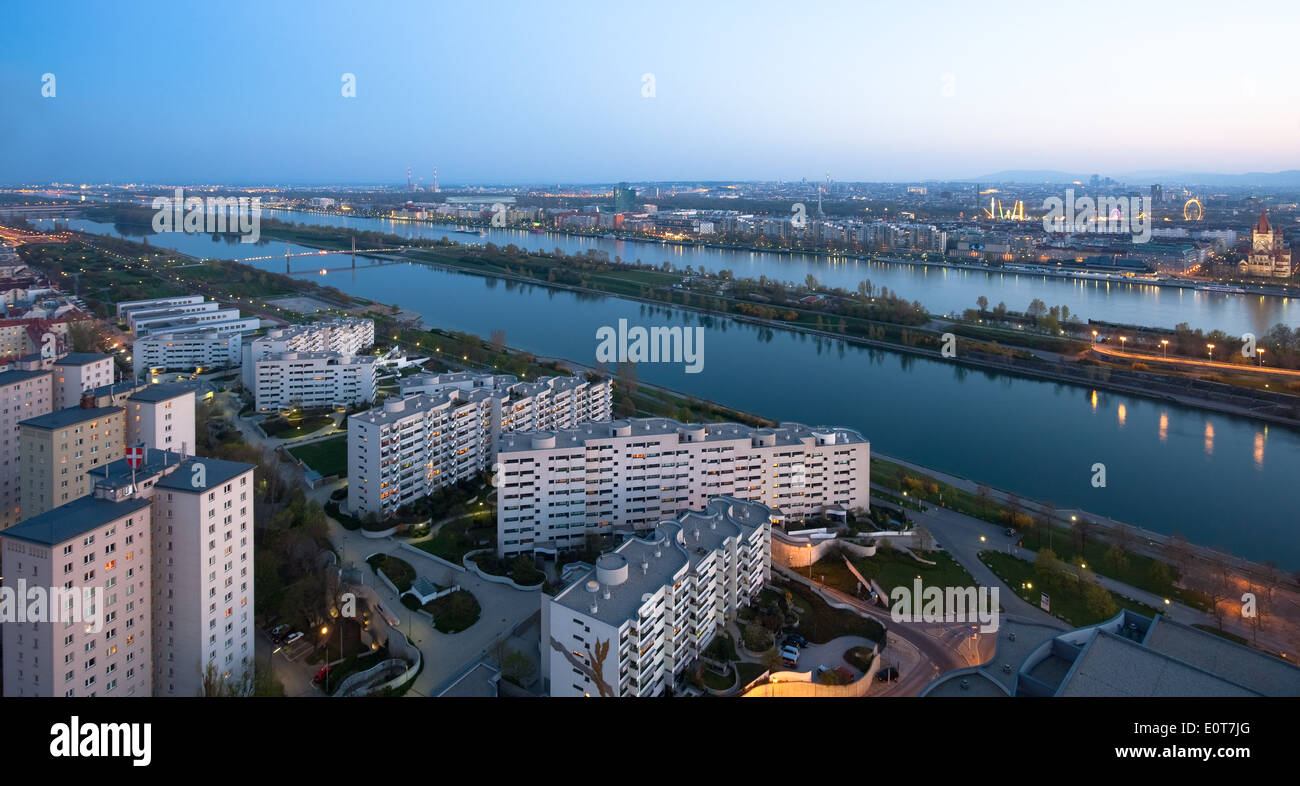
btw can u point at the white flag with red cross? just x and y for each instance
(135, 457)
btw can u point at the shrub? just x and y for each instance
(757, 638)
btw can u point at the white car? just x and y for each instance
(292, 637)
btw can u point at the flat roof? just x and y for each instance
(16, 376)
(163, 392)
(785, 435)
(72, 520)
(69, 416)
(215, 472)
(80, 358)
(1114, 666)
(119, 474)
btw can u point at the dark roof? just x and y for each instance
(17, 375)
(216, 472)
(69, 416)
(80, 358)
(73, 519)
(118, 473)
(163, 392)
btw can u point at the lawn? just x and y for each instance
(456, 538)
(1067, 601)
(820, 623)
(398, 571)
(280, 428)
(748, 672)
(328, 457)
(455, 612)
(716, 681)
(891, 568)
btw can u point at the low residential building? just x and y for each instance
(60, 448)
(90, 559)
(23, 395)
(204, 349)
(125, 307)
(634, 625)
(160, 321)
(162, 417)
(555, 487)
(143, 314)
(313, 379)
(78, 372)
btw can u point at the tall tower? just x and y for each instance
(435, 180)
(409, 185)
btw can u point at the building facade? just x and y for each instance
(23, 395)
(162, 417)
(206, 349)
(555, 487)
(636, 623)
(1269, 255)
(314, 379)
(78, 372)
(60, 448)
(89, 560)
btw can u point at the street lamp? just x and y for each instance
(1210, 350)
(1260, 352)
(1164, 344)
(1094, 337)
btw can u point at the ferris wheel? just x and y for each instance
(1193, 210)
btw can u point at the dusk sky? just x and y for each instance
(529, 92)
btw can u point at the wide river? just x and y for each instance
(1217, 479)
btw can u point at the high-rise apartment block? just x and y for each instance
(655, 603)
(23, 395)
(83, 573)
(60, 448)
(555, 487)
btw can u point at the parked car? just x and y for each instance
(322, 674)
(887, 674)
(292, 637)
(794, 640)
(790, 656)
(279, 632)
(1011, 532)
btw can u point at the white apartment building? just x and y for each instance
(136, 316)
(548, 403)
(206, 349)
(162, 417)
(23, 395)
(313, 379)
(556, 486)
(95, 637)
(656, 602)
(78, 372)
(224, 320)
(347, 336)
(446, 429)
(125, 307)
(410, 447)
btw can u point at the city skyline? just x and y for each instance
(772, 94)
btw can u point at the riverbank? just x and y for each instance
(1262, 405)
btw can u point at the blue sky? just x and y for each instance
(553, 92)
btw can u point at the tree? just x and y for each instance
(498, 340)
(1160, 576)
(1047, 566)
(1116, 559)
(983, 303)
(1036, 309)
(924, 542)
(518, 668)
(82, 336)
(983, 498)
(1099, 602)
